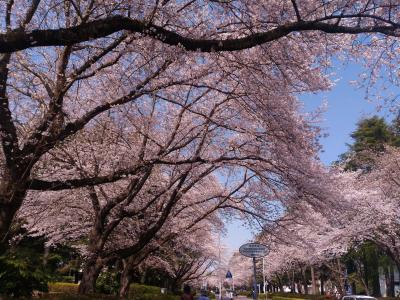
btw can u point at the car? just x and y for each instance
(358, 297)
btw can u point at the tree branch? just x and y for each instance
(19, 40)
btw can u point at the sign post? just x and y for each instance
(254, 250)
(229, 276)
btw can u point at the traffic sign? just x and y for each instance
(253, 250)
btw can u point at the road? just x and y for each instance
(236, 298)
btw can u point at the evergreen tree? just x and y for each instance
(370, 138)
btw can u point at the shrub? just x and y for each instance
(141, 289)
(284, 296)
(108, 283)
(68, 291)
(19, 277)
(147, 292)
(246, 293)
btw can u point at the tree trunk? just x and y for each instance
(304, 277)
(91, 272)
(354, 288)
(387, 283)
(292, 283)
(175, 285)
(338, 279)
(11, 198)
(126, 277)
(126, 280)
(314, 284)
(143, 277)
(6, 218)
(376, 289)
(280, 283)
(322, 282)
(391, 280)
(299, 288)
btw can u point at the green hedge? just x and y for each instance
(290, 296)
(77, 297)
(147, 292)
(68, 291)
(142, 289)
(245, 293)
(63, 287)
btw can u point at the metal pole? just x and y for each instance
(264, 284)
(255, 280)
(264, 275)
(219, 267)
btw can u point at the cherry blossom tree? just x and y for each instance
(187, 257)
(377, 205)
(305, 238)
(192, 258)
(203, 158)
(241, 268)
(366, 210)
(66, 64)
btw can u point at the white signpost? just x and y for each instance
(254, 250)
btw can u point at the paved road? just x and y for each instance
(237, 298)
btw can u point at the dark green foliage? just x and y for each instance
(21, 273)
(362, 264)
(146, 292)
(26, 266)
(371, 134)
(108, 283)
(370, 139)
(22, 267)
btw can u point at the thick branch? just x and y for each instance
(19, 40)
(58, 185)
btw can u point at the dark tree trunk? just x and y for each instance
(322, 282)
(91, 272)
(292, 283)
(366, 274)
(126, 280)
(354, 288)
(299, 288)
(11, 198)
(387, 282)
(6, 217)
(175, 286)
(280, 283)
(143, 277)
(391, 281)
(305, 283)
(127, 276)
(376, 289)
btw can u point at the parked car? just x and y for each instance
(358, 297)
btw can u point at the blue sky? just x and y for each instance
(346, 105)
